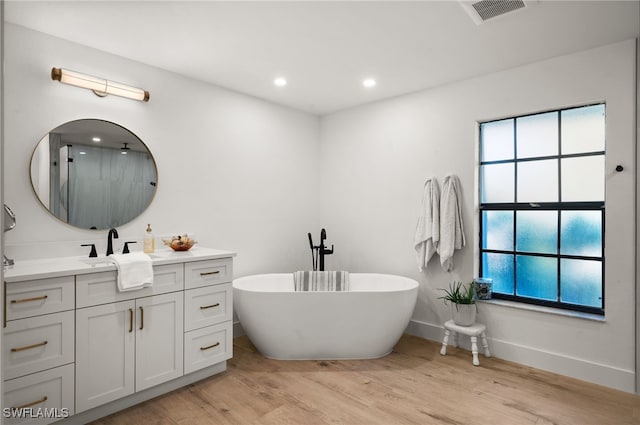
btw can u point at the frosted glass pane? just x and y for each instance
(537, 135)
(538, 181)
(497, 183)
(537, 231)
(583, 178)
(497, 230)
(581, 233)
(583, 129)
(497, 140)
(499, 267)
(537, 277)
(581, 282)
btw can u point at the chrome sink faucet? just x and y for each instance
(113, 233)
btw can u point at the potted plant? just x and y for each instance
(463, 303)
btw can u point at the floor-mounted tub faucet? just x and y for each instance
(318, 252)
(113, 233)
(323, 251)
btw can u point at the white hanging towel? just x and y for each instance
(451, 227)
(135, 271)
(428, 229)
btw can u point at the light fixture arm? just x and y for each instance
(99, 86)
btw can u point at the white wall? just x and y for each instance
(237, 172)
(375, 158)
(242, 174)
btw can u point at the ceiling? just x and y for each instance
(326, 48)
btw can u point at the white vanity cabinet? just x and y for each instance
(74, 344)
(208, 337)
(37, 348)
(126, 347)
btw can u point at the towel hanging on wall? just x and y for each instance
(451, 227)
(428, 228)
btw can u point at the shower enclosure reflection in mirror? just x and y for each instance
(93, 174)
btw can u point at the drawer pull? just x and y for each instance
(130, 320)
(209, 273)
(204, 307)
(28, 347)
(209, 346)
(26, 300)
(33, 403)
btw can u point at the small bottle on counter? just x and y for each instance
(149, 242)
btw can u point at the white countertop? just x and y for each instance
(65, 266)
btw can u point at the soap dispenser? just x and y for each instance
(149, 243)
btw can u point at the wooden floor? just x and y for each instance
(412, 385)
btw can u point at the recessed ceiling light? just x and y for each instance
(96, 139)
(280, 82)
(369, 82)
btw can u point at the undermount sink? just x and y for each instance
(97, 261)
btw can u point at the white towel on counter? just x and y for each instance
(427, 235)
(451, 227)
(135, 271)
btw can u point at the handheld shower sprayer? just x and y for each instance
(314, 253)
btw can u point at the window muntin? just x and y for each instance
(542, 207)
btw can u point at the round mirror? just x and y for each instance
(93, 174)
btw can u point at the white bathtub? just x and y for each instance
(364, 323)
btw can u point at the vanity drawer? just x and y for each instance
(207, 306)
(102, 288)
(37, 343)
(37, 297)
(207, 346)
(209, 272)
(51, 390)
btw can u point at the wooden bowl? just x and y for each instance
(181, 243)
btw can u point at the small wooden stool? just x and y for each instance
(473, 331)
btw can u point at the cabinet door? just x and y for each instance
(51, 389)
(208, 346)
(105, 353)
(209, 272)
(159, 339)
(37, 343)
(207, 306)
(101, 288)
(38, 297)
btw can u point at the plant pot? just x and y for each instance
(464, 314)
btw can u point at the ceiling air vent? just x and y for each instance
(482, 11)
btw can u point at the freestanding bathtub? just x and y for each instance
(363, 323)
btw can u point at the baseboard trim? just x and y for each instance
(597, 373)
(237, 329)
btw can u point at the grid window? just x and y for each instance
(542, 184)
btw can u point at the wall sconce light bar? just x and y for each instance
(99, 86)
